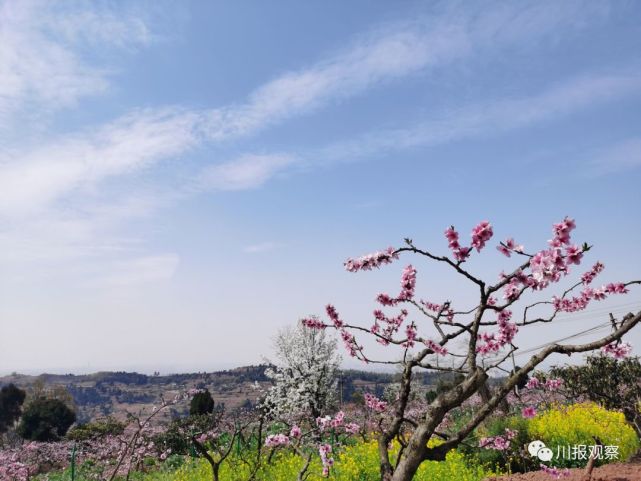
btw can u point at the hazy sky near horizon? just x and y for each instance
(179, 180)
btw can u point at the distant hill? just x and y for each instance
(116, 393)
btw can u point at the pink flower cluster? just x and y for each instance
(349, 341)
(491, 341)
(500, 443)
(547, 266)
(12, 468)
(326, 422)
(618, 350)
(375, 404)
(528, 412)
(481, 234)
(352, 428)
(371, 261)
(578, 303)
(325, 450)
(392, 325)
(313, 322)
(348, 338)
(533, 383)
(333, 315)
(408, 286)
(460, 253)
(276, 440)
(295, 432)
(589, 276)
(410, 333)
(562, 232)
(512, 289)
(323, 422)
(553, 384)
(448, 312)
(208, 436)
(508, 246)
(555, 472)
(435, 347)
(550, 264)
(550, 384)
(408, 283)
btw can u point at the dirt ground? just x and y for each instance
(612, 472)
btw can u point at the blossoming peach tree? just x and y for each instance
(469, 341)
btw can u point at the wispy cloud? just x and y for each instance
(41, 176)
(262, 247)
(141, 138)
(622, 156)
(247, 172)
(41, 66)
(35, 179)
(395, 51)
(488, 119)
(369, 62)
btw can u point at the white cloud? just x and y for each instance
(41, 65)
(488, 119)
(39, 177)
(247, 172)
(35, 179)
(482, 120)
(396, 51)
(371, 61)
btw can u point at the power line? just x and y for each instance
(619, 309)
(592, 330)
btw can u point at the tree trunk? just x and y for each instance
(383, 455)
(414, 454)
(634, 419)
(417, 450)
(301, 473)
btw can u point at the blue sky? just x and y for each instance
(179, 180)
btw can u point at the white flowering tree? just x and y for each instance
(303, 393)
(305, 375)
(471, 339)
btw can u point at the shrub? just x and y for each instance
(95, 430)
(11, 399)
(201, 403)
(612, 383)
(45, 420)
(579, 424)
(512, 459)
